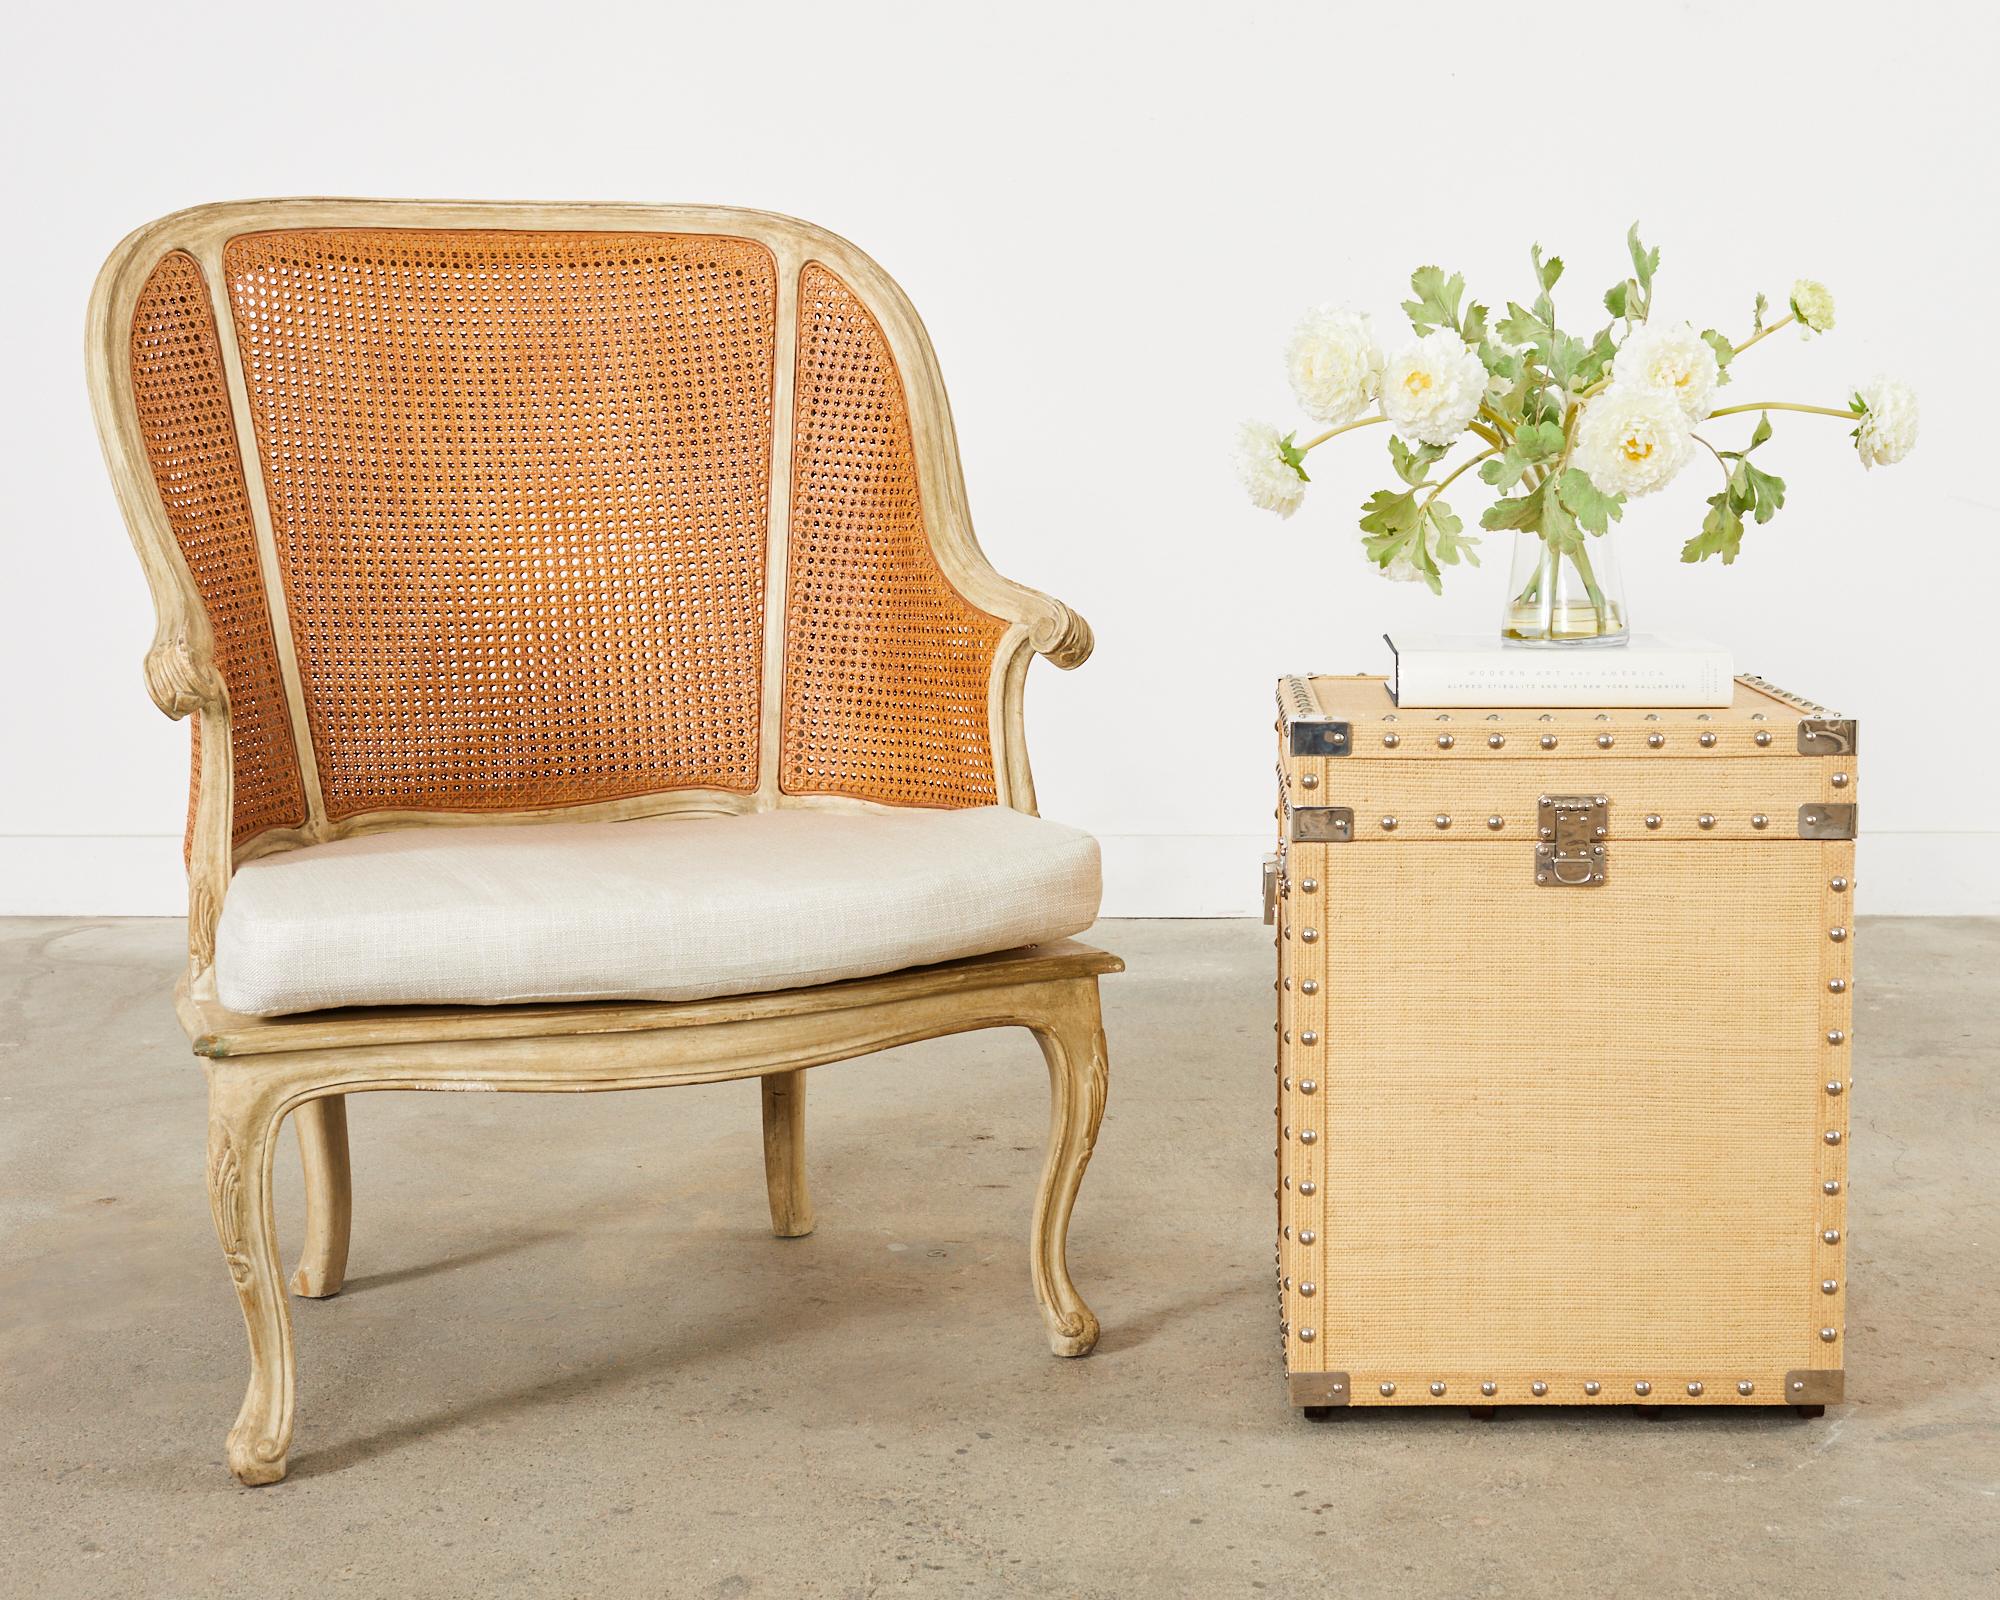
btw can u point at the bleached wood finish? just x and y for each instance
(261, 1071)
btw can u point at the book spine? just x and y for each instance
(1426, 679)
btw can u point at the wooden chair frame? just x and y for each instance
(260, 1071)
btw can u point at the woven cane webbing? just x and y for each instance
(182, 400)
(519, 486)
(886, 664)
(1563, 1133)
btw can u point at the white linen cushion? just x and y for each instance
(663, 908)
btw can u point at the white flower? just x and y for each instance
(1888, 430)
(1334, 364)
(1431, 387)
(1671, 358)
(1812, 304)
(1632, 440)
(1270, 481)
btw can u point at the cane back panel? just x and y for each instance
(519, 488)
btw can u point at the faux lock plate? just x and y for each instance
(1571, 829)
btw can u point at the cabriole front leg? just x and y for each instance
(242, 1133)
(1072, 1040)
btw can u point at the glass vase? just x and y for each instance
(1564, 599)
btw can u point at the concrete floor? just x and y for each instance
(571, 1360)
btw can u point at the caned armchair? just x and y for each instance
(595, 684)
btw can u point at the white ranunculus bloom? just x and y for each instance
(1631, 440)
(1334, 364)
(1812, 304)
(1431, 388)
(1271, 483)
(1671, 358)
(1888, 430)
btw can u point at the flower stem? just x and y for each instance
(1346, 427)
(1764, 333)
(1786, 405)
(1456, 473)
(1698, 439)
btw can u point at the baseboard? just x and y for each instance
(1145, 875)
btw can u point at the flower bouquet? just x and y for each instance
(1566, 429)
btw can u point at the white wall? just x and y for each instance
(1110, 218)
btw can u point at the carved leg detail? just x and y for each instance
(1079, 1075)
(241, 1134)
(322, 1130)
(785, 1154)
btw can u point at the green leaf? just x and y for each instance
(1590, 505)
(1759, 493)
(1559, 529)
(1724, 352)
(1757, 315)
(1760, 433)
(1413, 466)
(1293, 456)
(1523, 512)
(1536, 441)
(1473, 328)
(1644, 262)
(1546, 272)
(1437, 297)
(1523, 327)
(1614, 297)
(1502, 364)
(1721, 533)
(1388, 515)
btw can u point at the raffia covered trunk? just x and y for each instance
(1563, 1019)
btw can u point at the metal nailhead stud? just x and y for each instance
(1759, 820)
(1840, 780)
(1764, 736)
(1605, 741)
(1828, 1335)
(1388, 824)
(1496, 823)
(1652, 819)
(1834, 1036)
(1308, 885)
(1833, 1136)
(1308, 1289)
(1308, 935)
(1829, 1286)
(1385, 1390)
(1837, 935)
(1437, 1388)
(1695, 1390)
(1307, 1335)
(1308, 1085)
(1391, 740)
(1838, 885)
(1307, 1136)
(1708, 741)
(1834, 1086)
(1831, 1186)
(1308, 1037)
(1495, 740)
(1831, 1236)
(1446, 741)
(1309, 986)
(1837, 985)
(1798, 1386)
(1538, 1388)
(1705, 820)
(1309, 781)
(1306, 1236)
(1489, 1389)
(1746, 1388)
(1592, 1387)
(1442, 820)
(1548, 741)
(1308, 1187)
(1642, 1387)
(1656, 739)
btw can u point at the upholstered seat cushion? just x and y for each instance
(664, 908)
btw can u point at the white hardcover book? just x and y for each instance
(1439, 670)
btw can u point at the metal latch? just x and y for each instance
(1321, 736)
(1572, 829)
(1270, 889)
(1828, 736)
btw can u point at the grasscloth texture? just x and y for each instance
(181, 395)
(887, 666)
(519, 487)
(666, 908)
